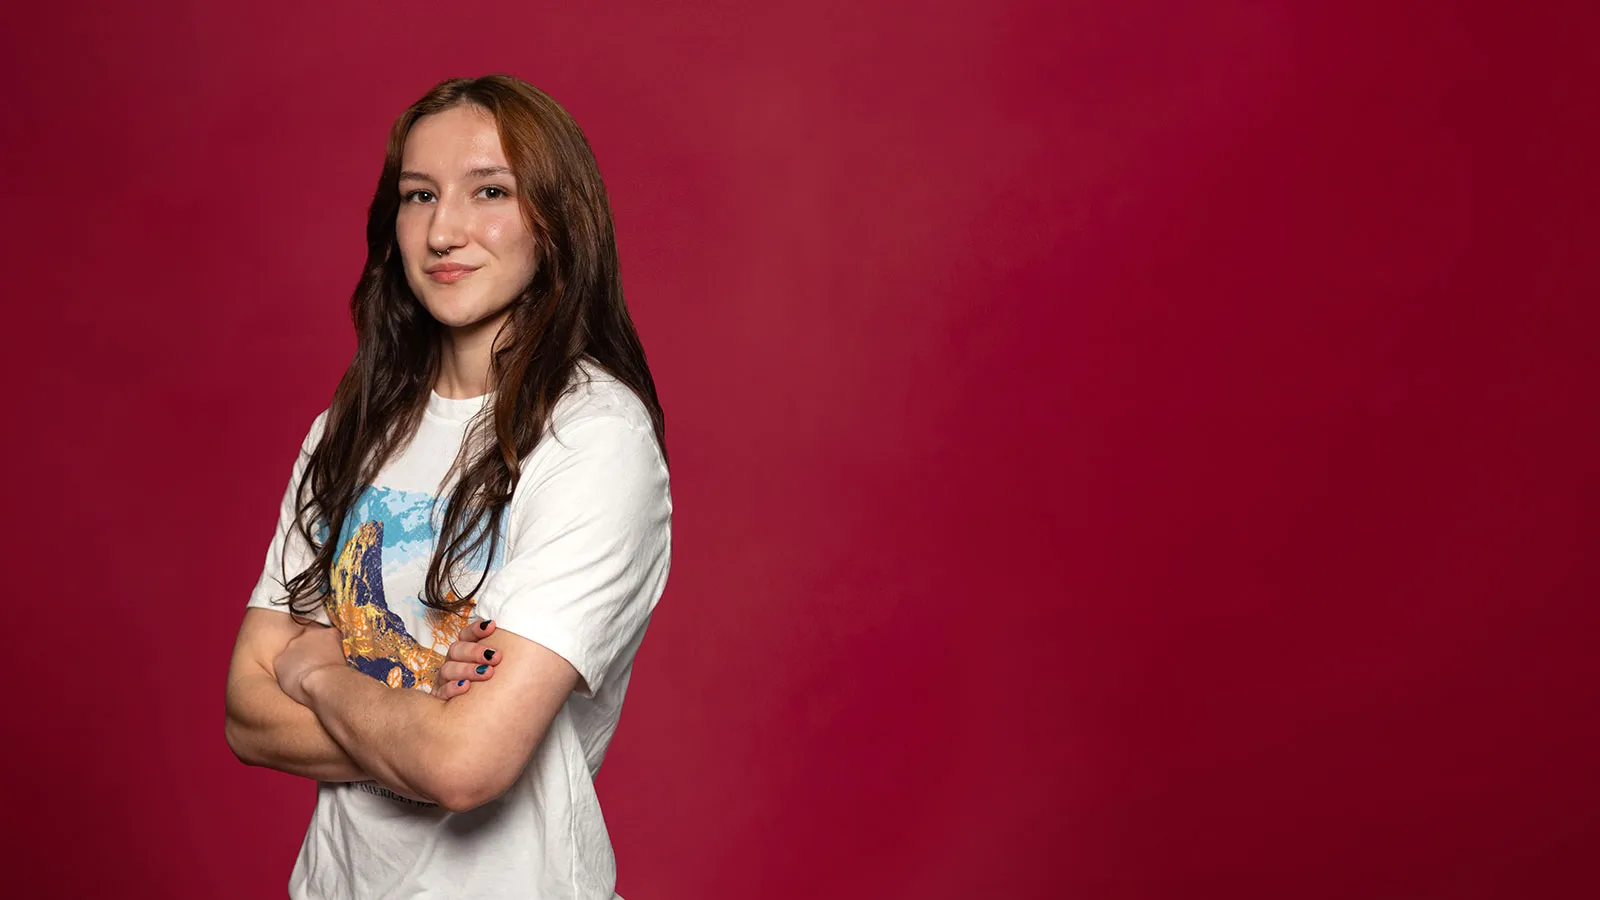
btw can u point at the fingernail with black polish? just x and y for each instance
(488, 654)
(482, 669)
(484, 625)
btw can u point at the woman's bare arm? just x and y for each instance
(264, 726)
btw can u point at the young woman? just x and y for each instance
(475, 533)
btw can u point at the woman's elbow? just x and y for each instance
(243, 740)
(239, 742)
(465, 794)
(462, 786)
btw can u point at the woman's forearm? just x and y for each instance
(389, 732)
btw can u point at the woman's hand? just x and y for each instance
(466, 661)
(315, 647)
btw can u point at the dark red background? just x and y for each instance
(1121, 450)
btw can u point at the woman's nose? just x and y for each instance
(447, 231)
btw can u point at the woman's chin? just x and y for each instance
(457, 316)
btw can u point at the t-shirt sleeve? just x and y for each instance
(588, 546)
(288, 555)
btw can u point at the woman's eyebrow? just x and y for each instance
(484, 172)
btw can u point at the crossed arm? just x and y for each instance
(590, 556)
(264, 726)
(294, 706)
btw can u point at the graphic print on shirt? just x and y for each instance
(377, 586)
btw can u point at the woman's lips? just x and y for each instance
(448, 276)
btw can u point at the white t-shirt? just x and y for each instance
(581, 565)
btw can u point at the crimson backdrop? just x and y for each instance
(1121, 450)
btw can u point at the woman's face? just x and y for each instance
(458, 198)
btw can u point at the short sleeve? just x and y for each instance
(280, 566)
(588, 546)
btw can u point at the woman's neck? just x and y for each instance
(464, 357)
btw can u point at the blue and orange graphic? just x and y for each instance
(388, 544)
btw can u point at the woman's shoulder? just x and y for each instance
(598, 421)
(314, 432)
(595, 394)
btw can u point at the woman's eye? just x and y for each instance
(494, 193)
(417, 197)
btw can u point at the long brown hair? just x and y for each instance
(572, 309)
